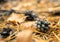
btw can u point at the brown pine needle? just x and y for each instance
(56, 36)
